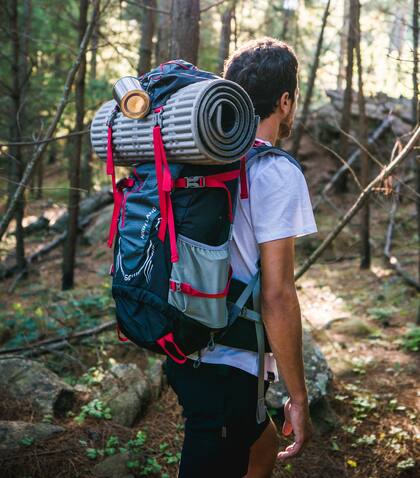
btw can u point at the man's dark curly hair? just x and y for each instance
(266, 68)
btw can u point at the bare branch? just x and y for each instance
(42, 141)
(386, 171)
(60, 108)
(204, 9)
(147, 7)
(392, 260)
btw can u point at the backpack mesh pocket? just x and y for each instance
(200, 280)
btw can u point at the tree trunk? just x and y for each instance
(163, 33)
(341, 186)
(363, 138)
(146, 38)
(225, 35)
(94, 50)
(19, 74)
(86, 166)
(287, 19)
(310, 88)
(185, 35)
(41, 146)
(343, 42)
(39, 179)
(416, 119)
(69, 250)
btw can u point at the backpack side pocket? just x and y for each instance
(200, 280)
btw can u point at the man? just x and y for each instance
(222, 437)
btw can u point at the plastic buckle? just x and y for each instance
(211, 344)
(195, 181)
(177, 286)
(113, 115)
(158, 117)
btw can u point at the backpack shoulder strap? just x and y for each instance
(259, 151)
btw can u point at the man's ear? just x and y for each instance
(284, 103)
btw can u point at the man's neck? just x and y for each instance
(268, 129)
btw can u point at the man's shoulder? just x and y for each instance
(275, 164)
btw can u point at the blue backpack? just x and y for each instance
(171, 274)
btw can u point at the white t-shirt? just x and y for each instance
(278, 206)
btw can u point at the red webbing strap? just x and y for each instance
(118, 195)
(189, 290)
(213, 181)
(244, 182)
(121, 337)
(164, 183)
(169, 339)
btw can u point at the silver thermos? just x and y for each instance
(132, 99)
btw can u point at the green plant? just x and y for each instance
(363, 405)
(406, 464)
(94, 453)
(411, 339)
(132, 464)
(366, 440)
(152, 466)
(26, 441)
(172, 458)
(139, 441)
(95, 409)
(110, 446)
(382, 314)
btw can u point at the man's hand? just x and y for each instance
(298, 421)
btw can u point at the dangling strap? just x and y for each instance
(244, 182)
(169, 339)
(187, 289)
(121, 337)
(238, 308)
(259, 330)
(110, 171)
(164, 184)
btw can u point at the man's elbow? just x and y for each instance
(284, 298)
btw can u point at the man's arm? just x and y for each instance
(282, 320)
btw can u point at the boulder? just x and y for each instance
(32, 380)
(127, 392)
(14, 434)
(154, 376)
(113, 467)
(318, 376)
(98, 229)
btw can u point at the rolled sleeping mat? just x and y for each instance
(209, 122)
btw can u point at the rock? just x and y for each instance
(318, 376)
(16, 434)
(127, 392)
(154, 375)
(113, 467)
(355, 327)
(89, 205)
(98, 229)
(43, 388)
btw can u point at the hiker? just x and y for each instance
(219, 396)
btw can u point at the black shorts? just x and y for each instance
(219, 404)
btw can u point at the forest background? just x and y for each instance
(356, 135)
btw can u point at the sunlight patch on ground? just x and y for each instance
(320, 304)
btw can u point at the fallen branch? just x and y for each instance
(4, 223)
(44, 344)
(36, 256)
(377, 133)
(50, 140)
(386, 171)
(392, 261)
